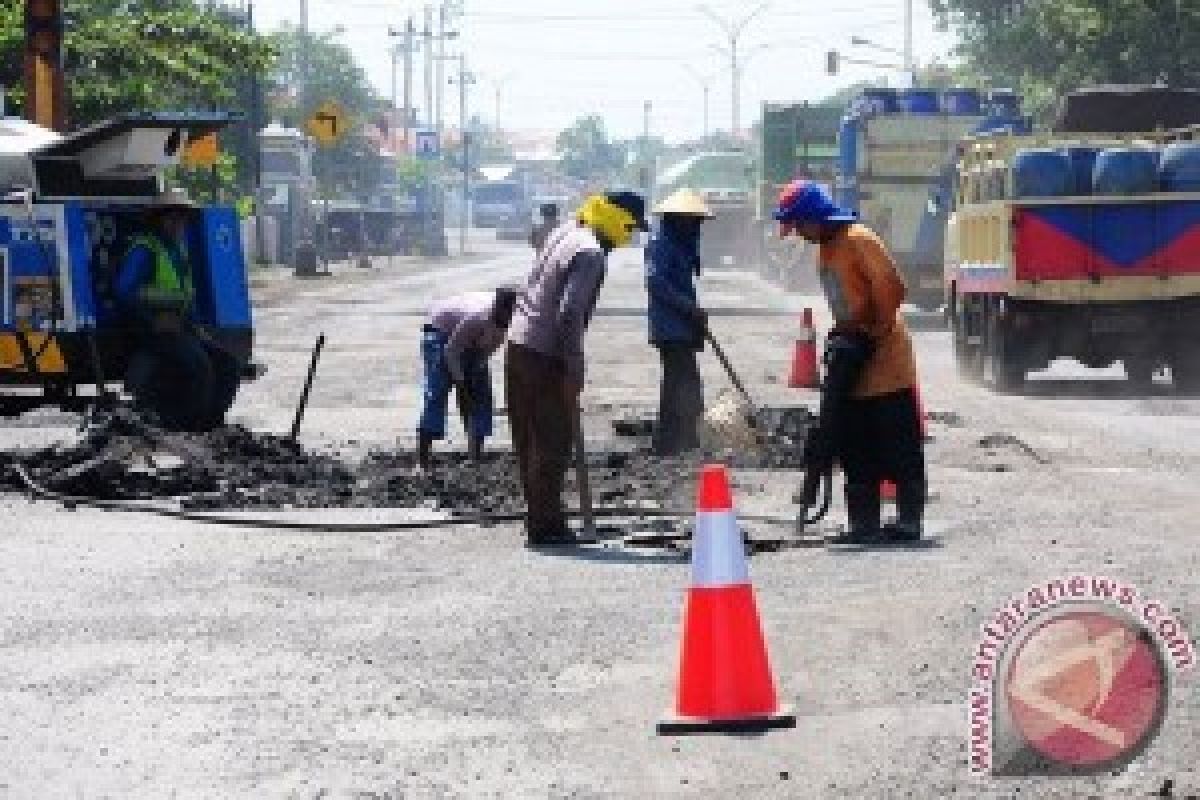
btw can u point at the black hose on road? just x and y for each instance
(38, 491)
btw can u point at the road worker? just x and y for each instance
(678, 324)
(458, 338)
(880, 437)
(549, 221)
(544, 366)
(174, 370)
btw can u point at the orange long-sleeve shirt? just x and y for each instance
(864, 290)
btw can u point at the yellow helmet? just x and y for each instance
(614, 216)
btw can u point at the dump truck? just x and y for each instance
(795, 141)
(1081, 245)
(725, 179)
(69, 205)
(895, 165)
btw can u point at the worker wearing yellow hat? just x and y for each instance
(678, 324)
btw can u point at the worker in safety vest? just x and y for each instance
(881, 435)
(678, 324)
(544, 363)
(170, 370)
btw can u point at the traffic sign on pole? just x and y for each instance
(328, 123)
(426, 145)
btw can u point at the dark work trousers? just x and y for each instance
(172, 375)
(680, 399)
(543, 426)
(882, 440)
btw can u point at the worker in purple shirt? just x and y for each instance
(460, 335)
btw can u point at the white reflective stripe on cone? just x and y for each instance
(718, 554)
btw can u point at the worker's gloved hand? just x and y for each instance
(820, 448)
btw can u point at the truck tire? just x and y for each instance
(1185, 372)
(1004, 369)
(1139, 372)
(966, 355)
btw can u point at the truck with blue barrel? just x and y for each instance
(1080, 243)
(70, 206)
(895, 165)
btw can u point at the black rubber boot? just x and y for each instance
(475, 448)
(862, 514)
(910, 512)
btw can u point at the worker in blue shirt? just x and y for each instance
(170, 371)
(678, 324)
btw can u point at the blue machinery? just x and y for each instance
(70, 206)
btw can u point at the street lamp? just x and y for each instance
(734, 28)
(498, 87)
(705, 82)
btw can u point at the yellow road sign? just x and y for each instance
(328, 123)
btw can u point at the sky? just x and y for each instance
(547, 62)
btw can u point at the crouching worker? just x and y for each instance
(458, 339)
(878, 433)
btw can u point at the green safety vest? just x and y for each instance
(170, 286)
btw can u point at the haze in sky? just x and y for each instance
(542, 63)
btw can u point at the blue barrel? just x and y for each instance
(1004, 103)
(1125, 170)
(964, 102)
(880, 101)
(920, 101)
(1041, 172)
(1083, 163)
(1179, 169)
(848, 146)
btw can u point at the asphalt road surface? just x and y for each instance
(141, 657)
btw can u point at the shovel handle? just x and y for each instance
(733, 376)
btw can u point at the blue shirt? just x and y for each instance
(671, 267)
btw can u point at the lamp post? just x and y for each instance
(408, 46)
(734, 28)
(464, 80)
(705, 82)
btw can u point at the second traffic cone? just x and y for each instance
(725, 682)
(804, 356)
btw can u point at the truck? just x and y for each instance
(896, 157)
(726, 180)
(497, 203)
(69, 205)
(1100, 265)
(795, 141)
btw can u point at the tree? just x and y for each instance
(144, 55)
(586, 151)
(1050, 47)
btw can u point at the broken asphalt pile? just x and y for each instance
(124, 456)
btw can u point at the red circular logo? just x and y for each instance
(1086, 688)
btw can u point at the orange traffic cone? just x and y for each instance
(804, 357)
(725, 682)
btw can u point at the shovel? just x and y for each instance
(730, 425)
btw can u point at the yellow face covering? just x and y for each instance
(612, 222)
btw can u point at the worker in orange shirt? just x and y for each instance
(869, 360)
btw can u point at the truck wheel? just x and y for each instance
(1004, 370)
(966, 356)
(1185, 373)
(1140, 373)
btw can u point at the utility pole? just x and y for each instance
(705, 82)
(734, 28)
(429, 88)
(909, 64)
(45, 92)
(463, 79)
(302, 94)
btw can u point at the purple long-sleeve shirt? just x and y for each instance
(553, 311)
(466, 320)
